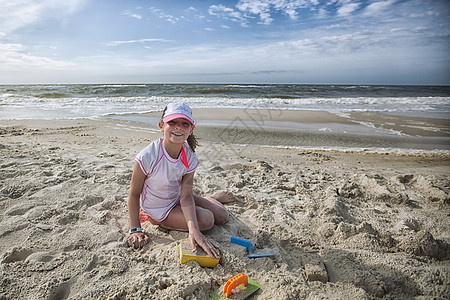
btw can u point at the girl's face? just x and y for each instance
(177, 131)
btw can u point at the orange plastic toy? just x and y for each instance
(238, 287)
(233, 282)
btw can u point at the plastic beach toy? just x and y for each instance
(201, 257)
(237, 287)
(251, 252)
(233, 282)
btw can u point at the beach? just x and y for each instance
(364, 222)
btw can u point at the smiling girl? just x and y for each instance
(162, 181)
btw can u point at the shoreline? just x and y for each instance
(323, 131)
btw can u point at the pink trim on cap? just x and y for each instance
(176, 116)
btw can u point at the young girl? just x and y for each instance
(162, 181)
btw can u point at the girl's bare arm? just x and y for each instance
(138, 239)
(189, 212)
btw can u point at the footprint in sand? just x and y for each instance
(88, 200)
(43, 256)
(61, 290)
(16, 254)
(14, 191)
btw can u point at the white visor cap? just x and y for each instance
(178, 110)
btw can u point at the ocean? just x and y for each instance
(50, 101)
(127, 101)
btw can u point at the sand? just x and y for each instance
(341, 225)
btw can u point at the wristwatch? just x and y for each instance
(134, 230)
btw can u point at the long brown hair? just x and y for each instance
(191, 140)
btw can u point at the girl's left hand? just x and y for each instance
(210, 247)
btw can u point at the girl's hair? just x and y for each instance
(191, 140)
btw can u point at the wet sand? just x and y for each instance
(316, 129)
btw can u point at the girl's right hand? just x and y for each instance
(138, 240)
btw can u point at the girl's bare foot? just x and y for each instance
(223, 197)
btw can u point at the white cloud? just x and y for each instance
(162, 15)
(347, 9)
(226, 13)
(17, 14)
(264, 9)
(130, 14)
(14, 56)
(117, 43)
(377, 7)
(169, 18)
(20, 13)
(154, 9)
(261, 8)
(428, 13)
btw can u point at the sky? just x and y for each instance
(241, 41)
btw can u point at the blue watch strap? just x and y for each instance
(134, 230)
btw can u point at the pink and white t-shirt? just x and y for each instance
(162, 187)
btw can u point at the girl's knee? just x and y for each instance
(221, 217)
(205, 220)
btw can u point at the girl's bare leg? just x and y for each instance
(214, 203)
(176, 221)
(209, 209)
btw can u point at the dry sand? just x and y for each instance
(340, 225)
